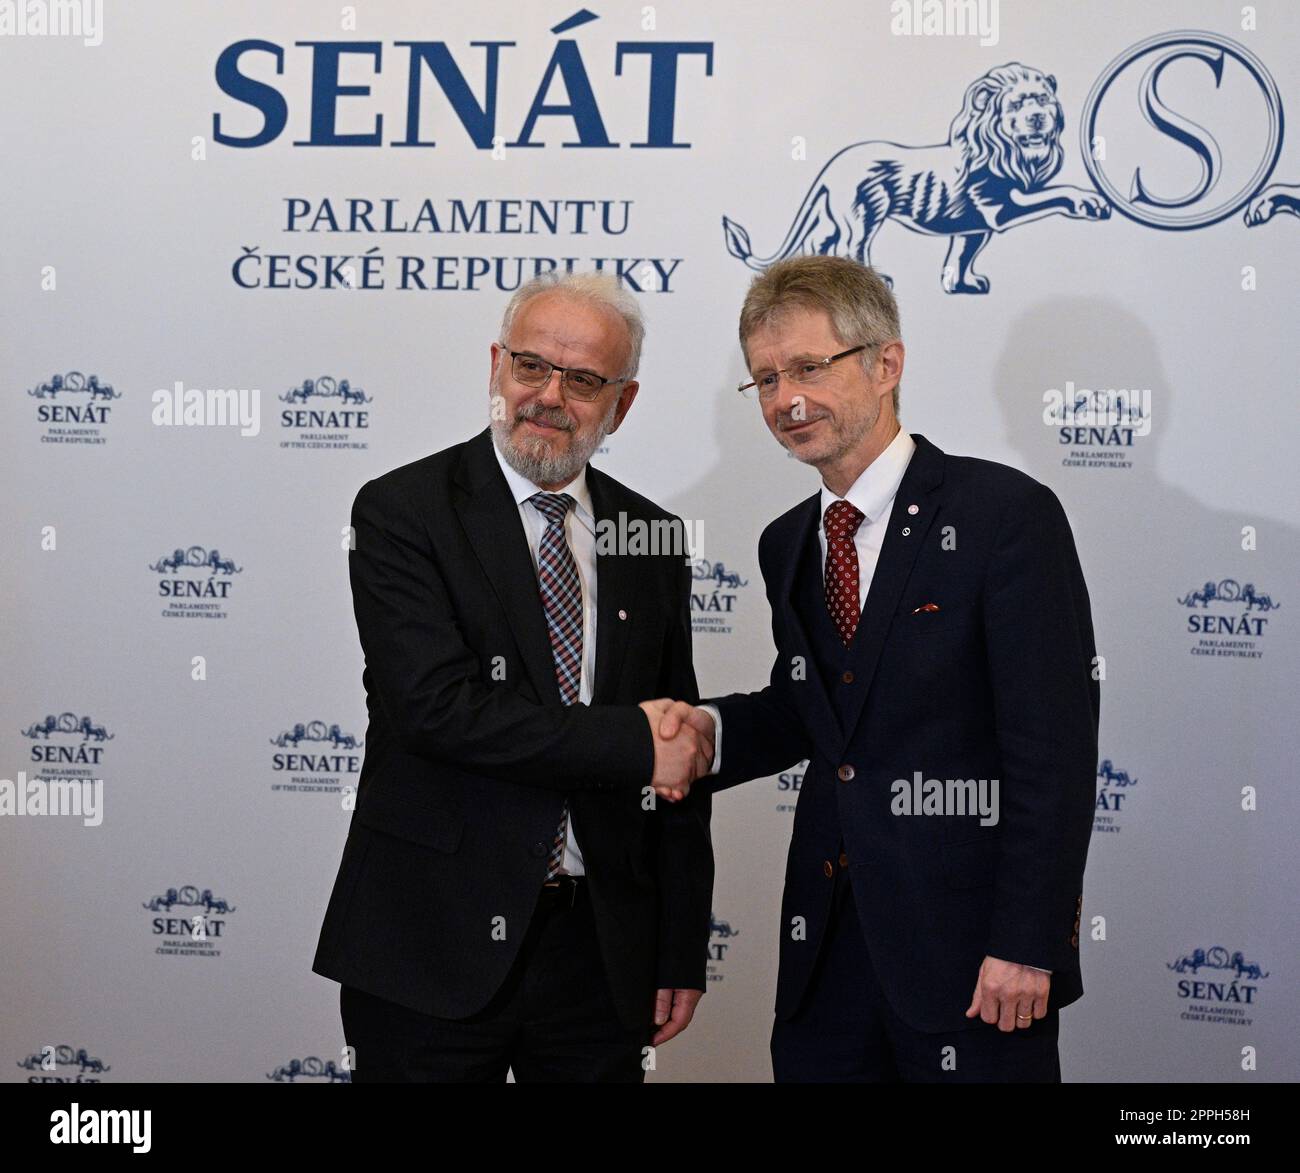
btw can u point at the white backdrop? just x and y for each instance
(124, 218)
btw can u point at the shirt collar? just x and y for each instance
(521, 488)
(872, 492)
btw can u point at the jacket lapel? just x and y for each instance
(491, 520)
(811, 689)
(619, 590)
(897, 555)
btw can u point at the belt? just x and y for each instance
(563, 891)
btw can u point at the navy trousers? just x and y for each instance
(846, 1032)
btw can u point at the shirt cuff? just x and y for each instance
(712, 710)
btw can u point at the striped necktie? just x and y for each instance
(557, 579)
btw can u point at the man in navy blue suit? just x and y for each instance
(936, 667)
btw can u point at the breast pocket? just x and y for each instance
(911, 620)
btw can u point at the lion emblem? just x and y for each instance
(1270, 202)
(1003, 148)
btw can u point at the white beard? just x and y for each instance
(532, 458)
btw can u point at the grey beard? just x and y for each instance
(532, 459)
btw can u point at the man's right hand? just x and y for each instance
(682, 755)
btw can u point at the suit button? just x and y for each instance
(538, 849)
(847, 678)
(828, 869)
(845, 773)
(844, 860)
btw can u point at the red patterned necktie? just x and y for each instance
(840, 524)
(557, 579)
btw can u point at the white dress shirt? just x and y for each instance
(873, 493)
(580, 533)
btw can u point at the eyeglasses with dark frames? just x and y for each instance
(534, 371)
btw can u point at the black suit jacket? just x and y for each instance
(470, 752)
(998, 683)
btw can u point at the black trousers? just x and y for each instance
(846, 1032)
(553, 1020)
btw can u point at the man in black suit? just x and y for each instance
(512, 894)
(935, 665)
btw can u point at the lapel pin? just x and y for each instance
(907, 529)
(914, 509)
(622, 614)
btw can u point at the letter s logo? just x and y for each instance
(1235, 138)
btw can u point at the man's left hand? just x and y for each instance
(1009, 994)
(673, 1011)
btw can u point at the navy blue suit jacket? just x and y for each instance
(998, 683)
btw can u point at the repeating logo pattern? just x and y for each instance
(1225, 993)
(190, 593)
(721, 934)
(1113, 791)
(310, 1068)
(323, 413)
(1228, 618)
(192, 924)
(63, 1064)
(75, 407)
(315, 756)
(714, 593)
(67, 746)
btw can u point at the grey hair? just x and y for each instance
(599, 289)
(856, 298)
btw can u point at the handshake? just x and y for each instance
(683, 738)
